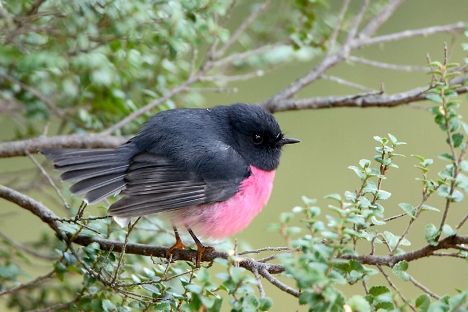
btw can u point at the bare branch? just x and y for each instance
(48, 217)
(389, 281)
(342, 54)
(38, 209)
(356, 22)
(49, 179)
(242, 28)
(29, 284)
(423, 288)
(337, 29)
(377, 21)
(387, 65)
(362, 101)
(348, 83)
(255, 74)
(423, 252)
(259, 283)
(240, 56)
(452, 28)
(51, 106)
(19, 148)
(263, 272)
(153, 104)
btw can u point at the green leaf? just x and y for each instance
(285, 217)
(378, 290)
(430, 233)
(410, 210)
(251, 302)
(107, 305)
(60, 270)
(375, 221)
(420, 158)
(448, 231)
(370, 187)
(381, 140)
(383, 195)
(265, 304)
(358, 172)
(236, 274)
(334, 196)
(309, 201)
(457, 139)
(364, 163)
(429, 208)
(456, 302)
(464, 165)
(447, 156)
(359, 303)
(434, 97)
(399, 270)
(391, 239)
(423, 302)
(457, 196)
(298, 209)
(464, 126)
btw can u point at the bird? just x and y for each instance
(208, 170)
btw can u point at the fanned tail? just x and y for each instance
(99, 173)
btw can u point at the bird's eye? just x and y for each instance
(257, 138)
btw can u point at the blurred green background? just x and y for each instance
(332, 140)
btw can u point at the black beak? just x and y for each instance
(284, 141)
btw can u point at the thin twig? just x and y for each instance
(259, 283)
(356, 22)
(26, 249)
(387, 65)
(337, 28)
(424, 288)
(252, 17)
(348, 83)
(32, 283)
(389, 281)
(49, 179)
(263, 272)
(264, 249)
(380, 18)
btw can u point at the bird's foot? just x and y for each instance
(200, 251)
(177, 245)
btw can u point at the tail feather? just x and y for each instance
(78, 175)
(93, 183)
(99, 194)
(99, 173)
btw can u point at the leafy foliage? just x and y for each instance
(90, 63)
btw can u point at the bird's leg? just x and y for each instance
(200, 248)
(178, 244)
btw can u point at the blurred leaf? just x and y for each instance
(410, 210)
(399, 270)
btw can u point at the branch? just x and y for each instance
(362, 101)
(426, 251)
(50, 218)
(30, 284)
(19, 148)
(344, 52)
(377, 21)
(242, 28)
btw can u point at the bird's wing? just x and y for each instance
(156, 183)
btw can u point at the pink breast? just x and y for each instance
(223, 219)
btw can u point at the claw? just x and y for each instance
(177, 245)
(200, 248)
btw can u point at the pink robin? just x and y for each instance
(210, 171)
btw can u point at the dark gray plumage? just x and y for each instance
(180, 158)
